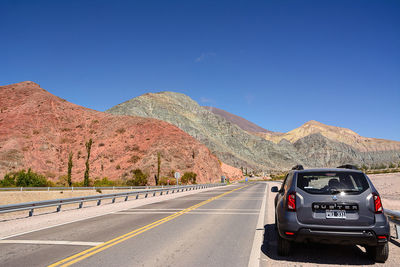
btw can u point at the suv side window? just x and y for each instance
(284, 184)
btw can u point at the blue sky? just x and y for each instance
(277, 63)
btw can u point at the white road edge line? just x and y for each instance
(190, 212)
(255, 255)
(51, 242)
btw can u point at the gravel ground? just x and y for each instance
(388, 186)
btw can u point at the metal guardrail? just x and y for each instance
(64, 201)
(394, 217)
(81, 188)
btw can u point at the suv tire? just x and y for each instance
(379, 253)
(284, 246)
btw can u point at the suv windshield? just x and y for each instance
(332, 182)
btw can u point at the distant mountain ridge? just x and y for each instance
(260, 150)
(334, 133)
(239, 121)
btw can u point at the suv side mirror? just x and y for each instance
(274, 189)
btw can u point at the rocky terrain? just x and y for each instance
(338, 134)
(239, 121)
(39, 130)
(236, 146)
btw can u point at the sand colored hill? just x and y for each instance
(333, 133)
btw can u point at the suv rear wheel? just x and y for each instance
(284, 246)
(378, 253)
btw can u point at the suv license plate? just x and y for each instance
(335, 214)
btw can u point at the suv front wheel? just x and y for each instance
(378, 253)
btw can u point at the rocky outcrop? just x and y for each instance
(329, 147)
(39, 130)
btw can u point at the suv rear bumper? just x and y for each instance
(367, 238)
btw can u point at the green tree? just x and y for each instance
(88, 148)
(69, 179)
(158, 167)
(138, 178)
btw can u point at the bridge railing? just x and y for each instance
(31, 206)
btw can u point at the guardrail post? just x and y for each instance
(31, 213)
(173, 191)
(145, 196)
(48, 188)
(80, 205)
(113, 200)
(154, 194)
(72, 188)
(137, 196)
(167, 192)
(126, 198)
(58, 208)
(161, 193)
(131, 187)
(98, 202)
(21, 188)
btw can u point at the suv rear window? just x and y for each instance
(327, 183)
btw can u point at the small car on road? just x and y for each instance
(334, 206)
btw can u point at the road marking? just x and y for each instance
(254, 260)
(171, 212)
(152, 200)
(196, 209)
(89, 252)
(50, 242)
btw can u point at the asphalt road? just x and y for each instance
(212, 232)
(214, 228)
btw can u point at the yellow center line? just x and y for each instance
(94, 250)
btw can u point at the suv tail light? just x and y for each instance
(291, 201)
(377, 203)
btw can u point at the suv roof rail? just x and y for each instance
(348, 166)
(298, 167)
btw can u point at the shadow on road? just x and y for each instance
(314, 253)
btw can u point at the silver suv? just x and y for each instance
(335, 206)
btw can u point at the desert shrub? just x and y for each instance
(121, 130)
(392, 165)
(189, 177)
(62, 181)
(138, 178)
(104, 182)
(134, 159)
(82, 184)
(25, 179)
(364, 167)
(118, 167)
(164, 181)
(8, 181)
(98, 190)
